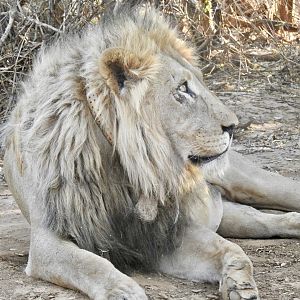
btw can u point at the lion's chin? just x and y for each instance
(215, 168)
(200, 160)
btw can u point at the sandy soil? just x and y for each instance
(269, 110)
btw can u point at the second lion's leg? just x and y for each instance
(245, 183)
(242, 221)
(206, 256)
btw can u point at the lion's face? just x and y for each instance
(198, 124)
(164, 117)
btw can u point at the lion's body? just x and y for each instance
(85, 193)
(100, 137)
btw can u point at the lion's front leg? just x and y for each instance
(206, 256)
(63, 263)
(245, 183)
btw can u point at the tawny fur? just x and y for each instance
(105, 154)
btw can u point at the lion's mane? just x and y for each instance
(87, 188)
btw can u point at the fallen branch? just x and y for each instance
(12, 14)
(276, 24)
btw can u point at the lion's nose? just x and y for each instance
(229, 129)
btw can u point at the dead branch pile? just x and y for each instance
(239, 32)
(226, 32)
(24, 26)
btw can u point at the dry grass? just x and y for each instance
(228, 34)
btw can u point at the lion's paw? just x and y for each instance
(237, 282)
(232, 289)
(291, 225)
(124, 289)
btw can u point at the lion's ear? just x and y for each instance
(121, 68)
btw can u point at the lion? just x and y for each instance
(119, 157)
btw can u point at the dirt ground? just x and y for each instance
(268, 105)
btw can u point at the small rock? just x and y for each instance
(163, 296)
(283, 264)
(212, 296)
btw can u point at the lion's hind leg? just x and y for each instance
(206, 256)
(63, 263)
(242, 221)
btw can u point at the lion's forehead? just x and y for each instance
(149, 35)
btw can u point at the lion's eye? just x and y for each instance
(184, 88)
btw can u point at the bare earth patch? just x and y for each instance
(269, 134)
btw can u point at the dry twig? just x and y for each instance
(12, 14)
(39, 23)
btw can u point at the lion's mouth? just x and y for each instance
(197, 159)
